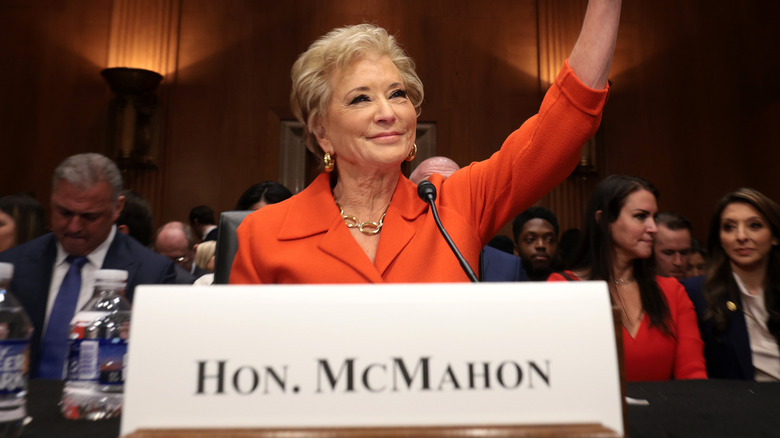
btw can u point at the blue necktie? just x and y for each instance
(55, 341)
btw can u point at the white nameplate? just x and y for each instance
(372, 356)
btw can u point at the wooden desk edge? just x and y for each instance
(562, 430)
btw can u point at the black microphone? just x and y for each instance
(427, 192)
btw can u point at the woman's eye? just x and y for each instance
(756, 226)
(360, 98)
(727, 227)
(641, 216)
(398, 93)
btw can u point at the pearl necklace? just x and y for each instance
(367, 227)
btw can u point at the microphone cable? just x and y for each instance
(427, 192)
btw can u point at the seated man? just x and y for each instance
(672, 246)
(536, 236)
(54, 273)
(175, 241)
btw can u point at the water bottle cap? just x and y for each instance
(6, 270)
(110, 276)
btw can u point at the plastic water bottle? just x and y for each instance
(94, 383)
(15, 333)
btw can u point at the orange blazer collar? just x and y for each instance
(313, 211)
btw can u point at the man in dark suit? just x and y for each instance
(85, 203)
(176, 241)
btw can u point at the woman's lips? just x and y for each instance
(385, 135)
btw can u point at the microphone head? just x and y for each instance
(426, 191)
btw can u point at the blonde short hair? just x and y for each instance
(204, 252)
(311, 73)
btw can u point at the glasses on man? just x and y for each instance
(181, 261)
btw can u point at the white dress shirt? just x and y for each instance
(763, 346)
(94, 262)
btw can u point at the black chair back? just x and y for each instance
(227, 243)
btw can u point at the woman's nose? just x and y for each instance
(384, 112)
(652, 228)
(741, 234)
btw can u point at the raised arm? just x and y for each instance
(591, 56)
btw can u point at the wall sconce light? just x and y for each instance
(134, 119)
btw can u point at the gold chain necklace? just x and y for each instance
(621, 281)
(367, 227)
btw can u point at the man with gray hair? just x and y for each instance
(54, 274)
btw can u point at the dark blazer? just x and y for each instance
(198, 272)
(185, 277)
(727, 353)
(497, 265)
(34, 261)
(211, 235)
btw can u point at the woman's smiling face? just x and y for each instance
(745, 236)
(369, 123)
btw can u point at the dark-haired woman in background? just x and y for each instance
(738, 301)
(262, 194)
(21, 219)
(660, 335)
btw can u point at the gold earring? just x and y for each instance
(412, 153)
(330, 162)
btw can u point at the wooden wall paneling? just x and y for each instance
(231, 95)
(52, 98)
(559, 27)
(680, 113)
(693, 106)
(144, 34)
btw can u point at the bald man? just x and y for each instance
(176, 241)
(441, 165)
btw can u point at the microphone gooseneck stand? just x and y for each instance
(427, 192)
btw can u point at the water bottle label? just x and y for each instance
(112, 359)
(13, 365)
(97, 360)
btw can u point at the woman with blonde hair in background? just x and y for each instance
(204, 254)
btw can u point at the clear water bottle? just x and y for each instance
(94, 383)
(15, 333)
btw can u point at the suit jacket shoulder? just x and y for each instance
(143, 265)
(500, 266)
(727, 352)
(33, 263)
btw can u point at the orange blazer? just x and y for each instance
(304, 239)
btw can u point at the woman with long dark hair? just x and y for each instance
(738, 300)
(660, 335)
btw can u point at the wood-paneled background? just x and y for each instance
(694, 107)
